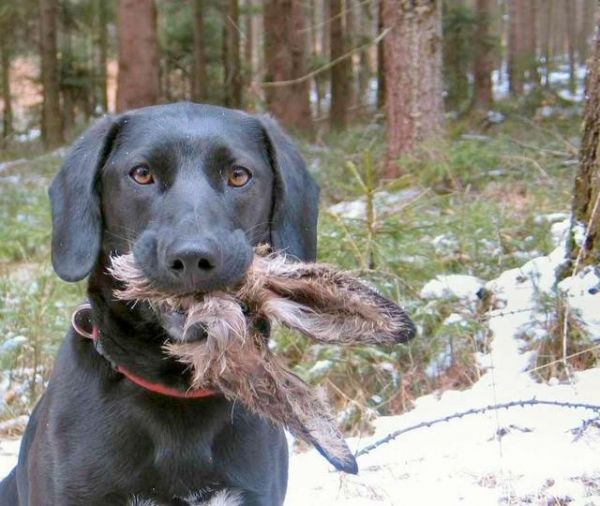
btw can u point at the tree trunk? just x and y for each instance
(364, 64)
(248, 44)
(586, 195)
(340, 72)
(570, 20)
(7, 115)
(67, 74)
(138, 81)
(52, 133)
(285, 59)
(199, 84)
(483, 64)
(585, 29)
(231, 55)
(413, 72)
(102, 10)
(380, 58)
(517, 57)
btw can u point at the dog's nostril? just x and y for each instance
(205, 264)
(177, 265)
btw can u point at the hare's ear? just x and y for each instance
(333, 307)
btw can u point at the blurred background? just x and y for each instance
(445, 136)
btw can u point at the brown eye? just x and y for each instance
(141, 175)
(238, 177)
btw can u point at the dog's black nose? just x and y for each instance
(193, 259)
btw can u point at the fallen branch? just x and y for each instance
(476, 411)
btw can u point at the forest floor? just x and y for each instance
(485, 210)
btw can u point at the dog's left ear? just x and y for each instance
(76, 214)
(296, 196)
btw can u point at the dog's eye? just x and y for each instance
(141, 175)
(239, 176)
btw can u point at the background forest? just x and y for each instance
(445, 136)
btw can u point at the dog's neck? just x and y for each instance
(131, 335)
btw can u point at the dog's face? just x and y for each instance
(189, 189)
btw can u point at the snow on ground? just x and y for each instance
(524, 455)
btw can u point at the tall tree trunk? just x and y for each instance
(102, 10)
(51, 114)
(585, 29)
(413, 72)
(138, 81)
(517, 59)
(285, 59)
(483, 64)
(349, 44)
(248, 43)
(570, 20)
(67, 67)
(380, 58)
(231, 55)
(586, 195)
(7, 115)
(364, 63)
(340, 72)
(199, 76)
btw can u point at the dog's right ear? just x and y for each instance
(76, 213)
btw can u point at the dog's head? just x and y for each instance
(189, 189)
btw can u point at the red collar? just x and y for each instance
(82, 316)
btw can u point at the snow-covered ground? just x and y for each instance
(524, 455)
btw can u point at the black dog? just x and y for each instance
(190, 189)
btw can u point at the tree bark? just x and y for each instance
(231, 55)
(586, 194)
(413, 72)
(517, 54)
(67, 73)
(199, 84)
(102, 10)
(138, 81)
(340, 72)
(7, 115)
(570, 20)
(364, 64)
(483, 64)
(285, 59)
(52, 133)
(380, 58)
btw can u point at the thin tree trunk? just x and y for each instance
(102, 10)
(340, 73)
(285, 59)
(138, 82)
(199, 84)
(585, 29)
(483, 64)
(51, 114)
(349, 43)
(231, 55)
(586, 194)
(380, 58)
(413, 72)
(364, 64)
(248, 43)
(517, 60)
(7, 115)
(68, 99)
(570, 20)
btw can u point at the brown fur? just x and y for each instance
(234, 358)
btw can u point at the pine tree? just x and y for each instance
(138, 83)
(413, 72)
(285, 60)
(52, 132)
